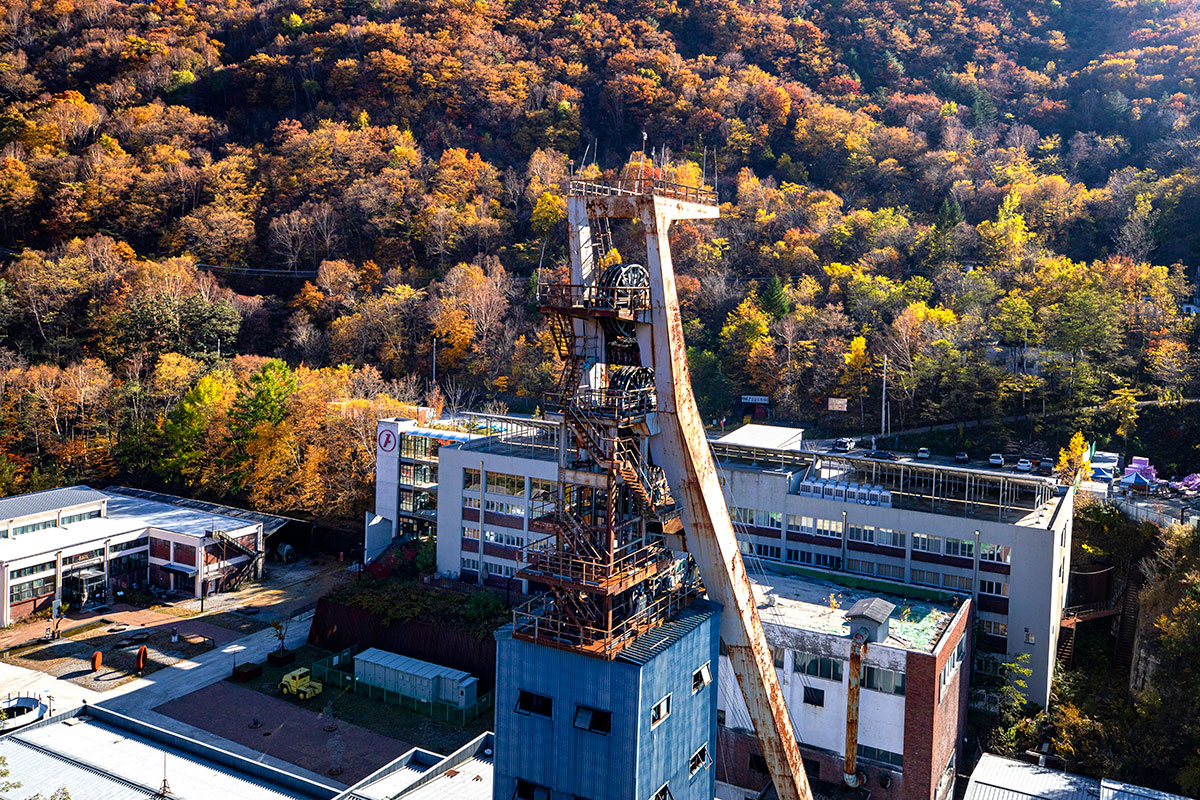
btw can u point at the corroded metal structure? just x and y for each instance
(639, 506)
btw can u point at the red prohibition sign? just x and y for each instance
(387, 441)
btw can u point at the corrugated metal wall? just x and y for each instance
(632, 761)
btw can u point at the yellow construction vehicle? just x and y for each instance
(299, 683)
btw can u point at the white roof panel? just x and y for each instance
(126, 515)
(96, 761)
(770, 437)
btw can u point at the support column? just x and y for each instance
(682, 449)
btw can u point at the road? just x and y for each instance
(949, 426)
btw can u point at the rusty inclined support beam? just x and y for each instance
(680, 446)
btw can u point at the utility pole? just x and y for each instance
(883, 402)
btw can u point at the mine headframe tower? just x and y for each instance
(639, 526)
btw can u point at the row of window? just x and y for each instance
(24, 572)
(993, 628)
(30, 527)
(34, 588)
(951, 667)
(894, 572)
(141, 541)
(510, 509)
(760, 519)
(819, 666)
(417, 473)
(417, 446)
(870, 534)
(862, 566)
(497, 483)
(129, 563)
(929, 577)
(80, 517)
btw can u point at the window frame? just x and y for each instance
(655, 710)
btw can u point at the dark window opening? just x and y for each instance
(593, 719)
(814, 697)
(530, 791)
(530, 703)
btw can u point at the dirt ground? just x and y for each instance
(297, 734)
(375, 715)
(118, 637)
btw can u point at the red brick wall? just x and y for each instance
(933, 728)
(160, 548)
(185, 554)
(31, 606)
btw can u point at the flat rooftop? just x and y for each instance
(125, 515)
(773, 437)
(809, 604)
(99, 755)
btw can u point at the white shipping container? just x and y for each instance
(414, 678)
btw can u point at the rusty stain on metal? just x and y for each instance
(850, 774)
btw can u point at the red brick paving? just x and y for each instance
(296, 734)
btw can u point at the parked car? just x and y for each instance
(922, 452)
(1024, 465)
(996, 459)
(882, 455)
(961, 457)
(843, 445)
(1045, 466)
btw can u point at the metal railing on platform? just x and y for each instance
(632, 187)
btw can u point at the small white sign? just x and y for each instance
(760, 399)
(837, 404)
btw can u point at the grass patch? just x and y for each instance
(374, 715)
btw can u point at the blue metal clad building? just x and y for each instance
(550, 746)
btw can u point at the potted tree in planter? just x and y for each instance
(247, 671)
(282, 656)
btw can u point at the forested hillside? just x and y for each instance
(1002, 197)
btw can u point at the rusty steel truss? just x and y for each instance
(639, 506)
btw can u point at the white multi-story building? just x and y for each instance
(914, 527)
(910, 711)
(78, 546)
(495, 493)
(406, 481)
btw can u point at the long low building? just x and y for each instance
(903, 527)
(82, 547)
(97, 754)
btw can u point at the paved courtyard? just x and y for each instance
(286, 731)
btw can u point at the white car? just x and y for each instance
(844, 445)
(996, 459)
(922, 452)
(1024, 465)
